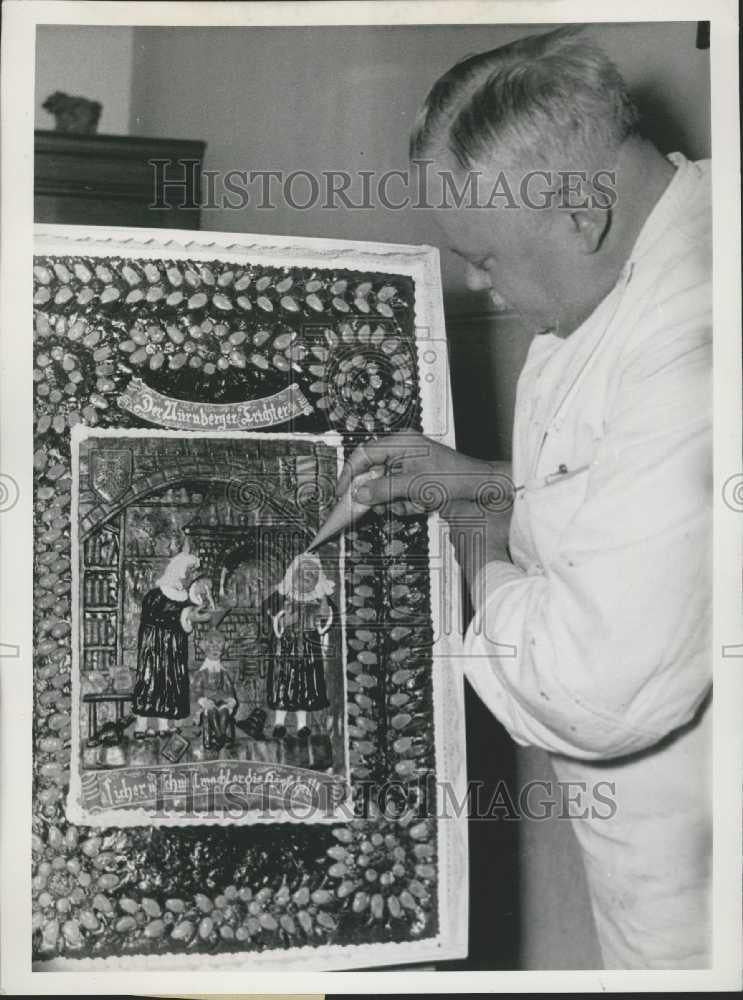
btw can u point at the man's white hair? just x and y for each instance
(551, 100)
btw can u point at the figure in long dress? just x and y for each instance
(301, 625)
(161, 688)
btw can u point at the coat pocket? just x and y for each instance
(551, 506)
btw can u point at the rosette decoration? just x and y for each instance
(196, 330)
(219, 332)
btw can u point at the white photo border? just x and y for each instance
(21, 18)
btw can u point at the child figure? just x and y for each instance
(296, 673)
(214, 690)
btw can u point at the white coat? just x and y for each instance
(607, 605)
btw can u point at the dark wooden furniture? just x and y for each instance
(94, 699)
(117, 180)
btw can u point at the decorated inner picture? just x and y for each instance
(207, 634)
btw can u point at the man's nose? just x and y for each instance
(476, 278)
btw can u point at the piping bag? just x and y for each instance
(347, 511)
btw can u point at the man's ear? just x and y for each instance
(590, 226)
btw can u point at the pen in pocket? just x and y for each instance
(560, 475)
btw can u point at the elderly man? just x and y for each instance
(592, 611)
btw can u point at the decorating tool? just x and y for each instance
(348, 510)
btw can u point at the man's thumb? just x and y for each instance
(372, 489)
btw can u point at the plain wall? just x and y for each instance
(86, 61)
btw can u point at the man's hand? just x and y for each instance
(424, 476)
(477, 536)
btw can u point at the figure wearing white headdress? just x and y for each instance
(301, 629)
(161, 688)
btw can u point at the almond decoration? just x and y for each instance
(283, 340)
(82, 273)
(130, 275)
(62, 272)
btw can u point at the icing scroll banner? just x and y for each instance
(237, 786)
(180, 414)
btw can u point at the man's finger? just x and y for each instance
(420, 494)
(384, 490)
(361, 460)
(385, 451)
(404, 508)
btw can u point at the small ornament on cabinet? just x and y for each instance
(73, 114)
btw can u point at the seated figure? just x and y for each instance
(213, 690)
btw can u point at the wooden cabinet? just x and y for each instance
(113, 180)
